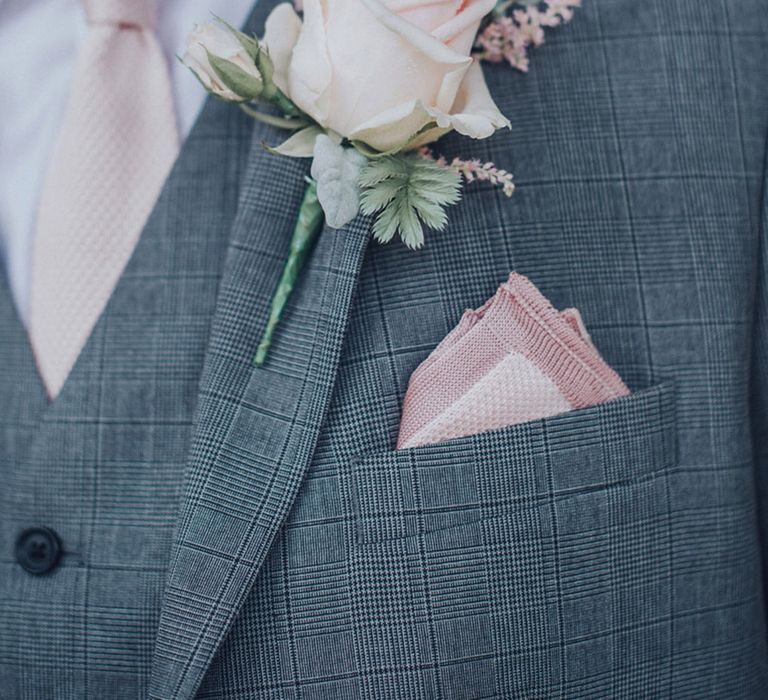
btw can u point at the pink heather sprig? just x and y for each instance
(509, 36)
(474, 170)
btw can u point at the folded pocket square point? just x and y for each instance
(514, 359)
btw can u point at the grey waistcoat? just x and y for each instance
(234, 532)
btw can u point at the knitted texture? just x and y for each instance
(512, 360)
(116, 146)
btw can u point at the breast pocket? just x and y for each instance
(532, 561)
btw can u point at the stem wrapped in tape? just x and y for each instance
(308, 225)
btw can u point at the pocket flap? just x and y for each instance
(402, 493)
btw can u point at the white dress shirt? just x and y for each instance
(38, 45)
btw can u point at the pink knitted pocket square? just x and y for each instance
(515, 359)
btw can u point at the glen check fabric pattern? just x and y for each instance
(288, 551)
(284, 404)
(513, 360)
(653, 583)
(528, 494)
(104, 463)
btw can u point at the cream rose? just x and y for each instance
(221, 43)
(382, 71)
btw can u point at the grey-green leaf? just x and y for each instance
(337, 170)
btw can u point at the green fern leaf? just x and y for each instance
(407, 192)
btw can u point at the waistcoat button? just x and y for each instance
(38, 550)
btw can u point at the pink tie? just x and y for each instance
(117, 143)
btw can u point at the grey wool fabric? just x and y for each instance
(233, 532)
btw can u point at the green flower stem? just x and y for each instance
(284, 104)
(279, 122)
(308, 225)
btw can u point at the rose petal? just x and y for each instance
(394, 127)
(425, 14)
(311, 74)
(403, 63)
(475, 113)
(459, 32)
(281, 32)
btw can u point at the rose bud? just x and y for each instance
(223, 60)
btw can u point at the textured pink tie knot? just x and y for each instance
(134, 13)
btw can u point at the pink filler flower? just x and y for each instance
(507, 38)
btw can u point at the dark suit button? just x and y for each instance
(38, 550)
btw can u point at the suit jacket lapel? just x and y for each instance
(256, 427)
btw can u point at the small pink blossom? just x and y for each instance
(507, 38)
(474, 169)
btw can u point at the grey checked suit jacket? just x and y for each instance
(233, 532)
